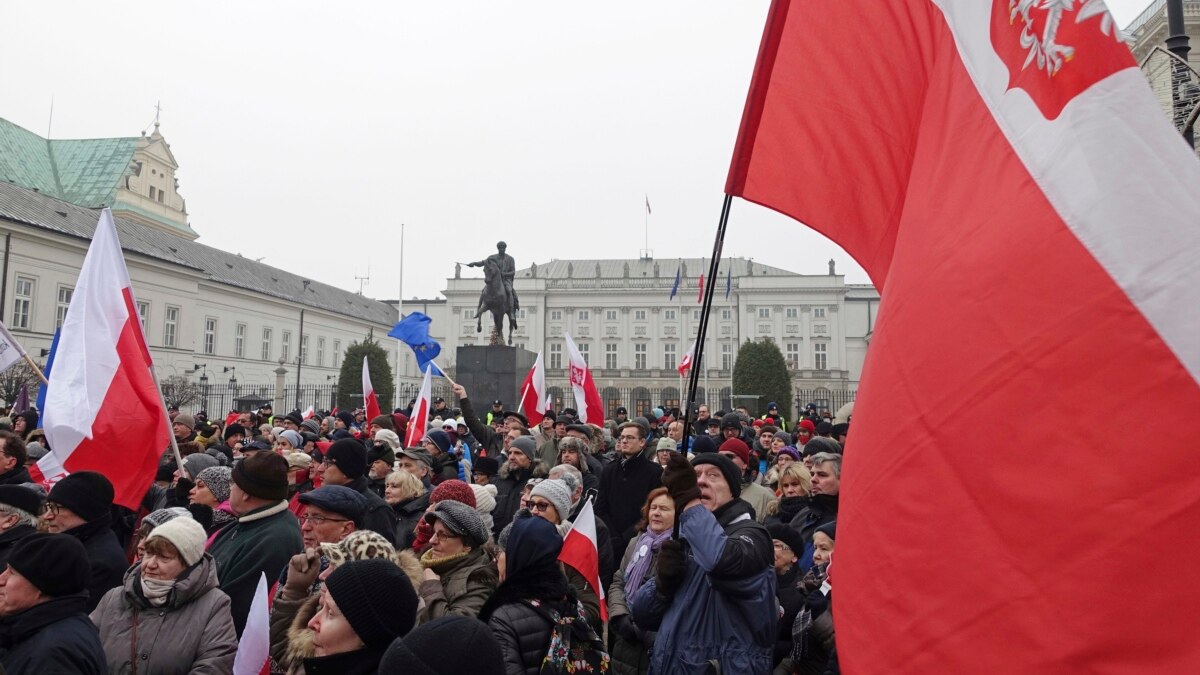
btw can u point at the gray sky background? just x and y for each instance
(307, 132)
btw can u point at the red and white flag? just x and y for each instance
(1011, 151)
(534, 400)
(308, 414)
(104, 413)
(254, 647)
(420, 412)
(587, 398)
(700, 292)
(580, 551)
(369, 401)
(686, 362)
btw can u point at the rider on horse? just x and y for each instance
(508, 270)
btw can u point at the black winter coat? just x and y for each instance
(408, 515)
(623, 489)
(16, 476)
(359, 662)
(53, 638)
(508, 492)
(487, 437)
(523, 633)
(379, 516)
(105, 555)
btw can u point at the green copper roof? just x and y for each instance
(84, 172)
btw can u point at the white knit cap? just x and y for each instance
(388, 436)
(186, 535)
(485, 498)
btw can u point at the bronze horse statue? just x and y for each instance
(495, 300)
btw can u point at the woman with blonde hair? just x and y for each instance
(406, 494)
(795, 482)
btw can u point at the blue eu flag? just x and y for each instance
(413, 330)
(41, 397)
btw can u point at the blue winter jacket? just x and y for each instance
(726, 610)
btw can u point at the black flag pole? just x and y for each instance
(710, 283)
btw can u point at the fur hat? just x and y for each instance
(359, 545)
(557, 493)
(186, 535)
(487, 465)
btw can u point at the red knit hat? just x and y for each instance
(807, 424)
(737, 447)
(455, 491)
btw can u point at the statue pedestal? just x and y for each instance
(492, 372)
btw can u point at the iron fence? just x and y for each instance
(639, 401)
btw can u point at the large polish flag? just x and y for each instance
(1002, 171)
(581, 551)
(420, 412)
(370, 402)
(104, 413)
(534, 400)
(686, 362)
(587, 398)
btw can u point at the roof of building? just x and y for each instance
(56, 215)
(85, 172)
(614, 268)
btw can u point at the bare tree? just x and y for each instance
(179, 392)
(14, 378)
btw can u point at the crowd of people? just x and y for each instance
(714, 545)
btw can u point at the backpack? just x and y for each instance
(574, 645)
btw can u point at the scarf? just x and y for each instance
(156, 591)
(428, 561)
(639, 567)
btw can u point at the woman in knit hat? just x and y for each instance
(168, 616)
(485, 503)
(212, 490)
(452, 490)
(458, 576)
(365, 604)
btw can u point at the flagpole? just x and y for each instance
(167, 418)
(36, 370)
(399, 316)
(705, 311)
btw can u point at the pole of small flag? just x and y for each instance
(36, 370)
(170, 432)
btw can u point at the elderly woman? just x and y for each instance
(572, 451)
(795, 482)
(631, 646)
(363, 607)
(169, 616)
(458, 576)
(212, 490)
(407, 496)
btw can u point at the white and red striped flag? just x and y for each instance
(534, 400)
(581, 551)
(587, 397)
(104, 413)
(370, 402)
(1013, 152)
(254, 647)
(686, 361)
(310, 413)
(420, 412)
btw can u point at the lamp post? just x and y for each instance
(1178, 44)
(233, 392)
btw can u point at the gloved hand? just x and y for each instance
(302, 573)
(672, 565)
(623, 625)
(680, 480)
(183, 488)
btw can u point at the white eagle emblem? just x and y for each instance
(1044, 49)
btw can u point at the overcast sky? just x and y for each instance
(307, 132)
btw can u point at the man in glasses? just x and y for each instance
(625, 483)
(333, 511)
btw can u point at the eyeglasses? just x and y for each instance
(318, 521)
(627, 439)
(780, 546)
(444, 534)
(539, 506)
(52, 509)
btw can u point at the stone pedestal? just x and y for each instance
(492, 372)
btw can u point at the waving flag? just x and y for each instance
(728, 284)
(534, 400)
(420, 413)
(587, 398)
(579, 550)
(370, 402)
(254, 647)
(11, 351)
(678, 280)
(700, 286)
(647, 204)
(103, 387)
(42, 390)
(1022, 161)
(413, 330)
(686, 362)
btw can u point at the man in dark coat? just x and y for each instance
(489, 439)
(517, 470)
(43, 626)
(264, 537)
(625, 483)
(12, 461)
(81, 505)
(19, 509)
(346, 464)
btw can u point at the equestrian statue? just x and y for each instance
(498, 296)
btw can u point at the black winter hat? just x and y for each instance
(487, 465)
(262, 475)
(26, 499)
(424, 652)
(346, 418)
(295, 417)
(234, 430)
(828, 529)
(349, 456)
(728, 469)
(87, 494)
(824, 428)
(731, 421)
(788, 535)
(57, 564)
(377, 599)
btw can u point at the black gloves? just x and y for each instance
(680, 480)
(672, 565)
(623, 625)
